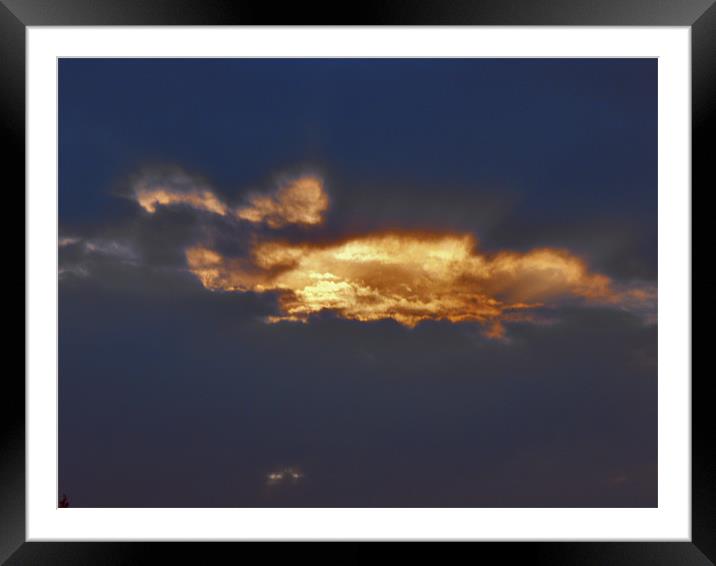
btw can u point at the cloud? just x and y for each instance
(99, 246)
(301, 201)
(290, 475)
(67, 241)
(176, 188)
(78, 256)
(74, 270)
(410, 277)
(110, 248)
(407, 276)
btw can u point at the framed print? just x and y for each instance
(424, 275)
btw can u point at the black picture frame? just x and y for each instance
(16, 15)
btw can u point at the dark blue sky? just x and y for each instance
(172, 396)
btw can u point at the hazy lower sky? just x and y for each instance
(377, 282)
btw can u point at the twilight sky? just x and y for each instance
(358, 283)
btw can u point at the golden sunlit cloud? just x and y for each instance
(408, 277)
(174, 187)
(150, 198)
(302, 201)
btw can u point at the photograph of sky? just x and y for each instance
(357, 282)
